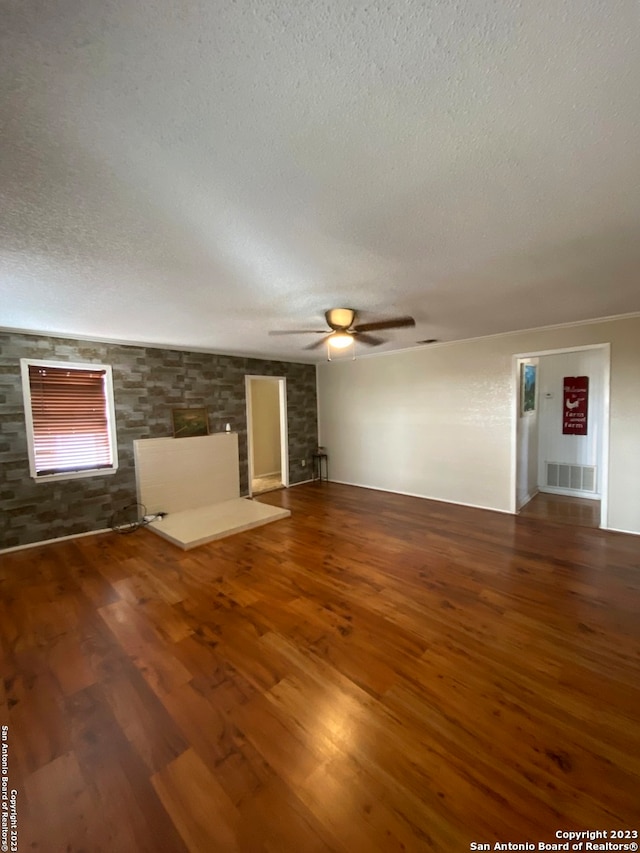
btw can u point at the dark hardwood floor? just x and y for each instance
(375, 673)
(563, 509)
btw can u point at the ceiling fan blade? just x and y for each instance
(316, 344)
(299, 332)
(394, 323)
(369, 340)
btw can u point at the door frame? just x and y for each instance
(284, 435)
(606, 414)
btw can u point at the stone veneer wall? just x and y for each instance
(148, 384)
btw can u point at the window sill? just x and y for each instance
(74, 475)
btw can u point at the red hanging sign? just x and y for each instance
(576, 405)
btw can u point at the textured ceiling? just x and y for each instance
(197, 174)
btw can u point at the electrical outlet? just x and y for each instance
(303, 463)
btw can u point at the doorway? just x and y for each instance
(267, 440)
(559, 475)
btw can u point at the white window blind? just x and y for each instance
(70, 418)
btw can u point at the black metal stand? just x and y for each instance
(318, 459)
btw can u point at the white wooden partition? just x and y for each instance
(197, 482)
(175, 474)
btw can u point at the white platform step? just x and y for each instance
(191, 527)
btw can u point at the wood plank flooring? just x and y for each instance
(563, 509)
(375, 673)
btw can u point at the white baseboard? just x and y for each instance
(552, 490)
(52, 541)
(620, 530)
(424, 497)
(529, 497)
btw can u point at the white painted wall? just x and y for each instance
(438, 421)
(528, 437)
(553, 445)
(265, 415)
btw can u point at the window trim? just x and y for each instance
(25, 363)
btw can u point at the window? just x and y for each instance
(70, 419)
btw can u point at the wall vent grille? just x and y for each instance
(574, 478)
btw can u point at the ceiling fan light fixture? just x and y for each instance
(340, 340)
(340, 318)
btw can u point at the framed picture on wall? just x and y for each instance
(527, 388)
(190, 422)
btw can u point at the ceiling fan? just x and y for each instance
(343, 331)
